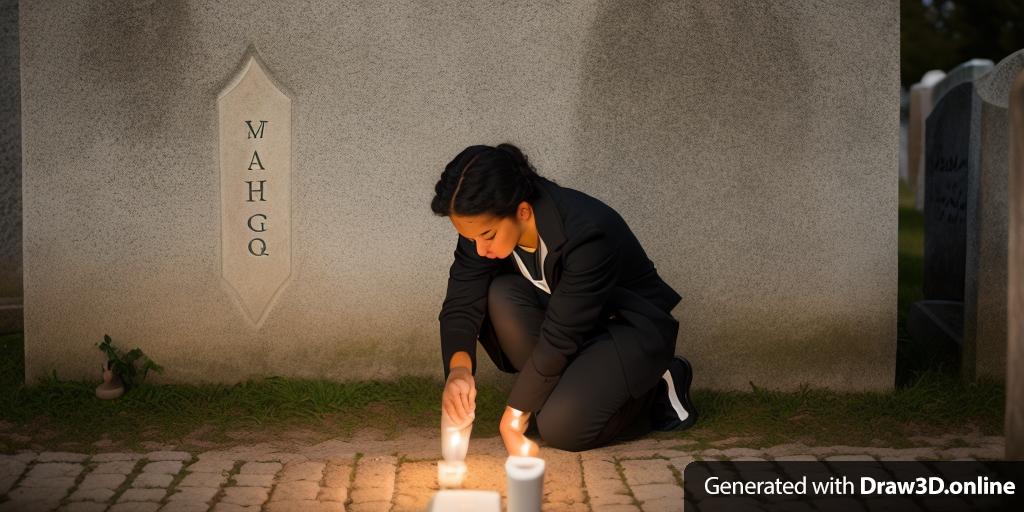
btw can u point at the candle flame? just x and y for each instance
(455, 438)
(526, 448)
(515, 423)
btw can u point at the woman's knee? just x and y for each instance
(501, 292)
(564, 428)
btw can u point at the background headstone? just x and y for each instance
(1015, 351)
(965, 72)
(759, 182)
(950, 153)
(920, 107)
(10, 171)
(985, 275)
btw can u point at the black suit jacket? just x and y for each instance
(599, 276)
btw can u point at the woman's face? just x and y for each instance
(494, 237)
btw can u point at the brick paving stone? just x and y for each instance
(655, 492)
(253, 480)
(98, 494)
(54, 469)
(850, 458)
(337, 475)
(211, 466)
(26, 456)
(304, 506)
(732, 453)
(142, 495)
(415, 484)
(607, 492)
(162, 456)
(166, 467)
(61, 457)
(213, 480)
(19, 505)
(10, 470)
(83, 506)
(111, 457)
(184, 506)
(782, 450)
(309, 471)
(231, 507)
(152, 480)
(369, 506)
(135, 507)
(245, 496)
(618, 508)
(604, 486)
(680, 463)
(663, 504)
(375, 480)
(797, 458)
(101, 481)
(260, 468)
(332, 494)
(562, 478)
(53, 483)
(199, 494)
(36, 494)
(653, 471)
(122, 467)
(295, 491)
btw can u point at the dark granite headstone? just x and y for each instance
(947, 156)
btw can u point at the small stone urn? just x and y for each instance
(111, 387)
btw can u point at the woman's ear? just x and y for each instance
(525, 211)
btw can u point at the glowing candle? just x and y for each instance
(451, 472)
(525, 482)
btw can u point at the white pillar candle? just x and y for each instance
(454, 439)
(525, 483)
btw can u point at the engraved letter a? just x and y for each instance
(257, 133)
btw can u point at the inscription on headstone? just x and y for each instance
(255, 165)
(947, 147)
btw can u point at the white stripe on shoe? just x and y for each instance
(673, 399)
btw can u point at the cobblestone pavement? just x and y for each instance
(400, 475)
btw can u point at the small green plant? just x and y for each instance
(123, 365)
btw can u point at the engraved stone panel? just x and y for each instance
(255, 166)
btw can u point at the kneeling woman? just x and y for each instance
(557, 288)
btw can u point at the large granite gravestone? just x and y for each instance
(965, 72)
(10, 171)
(985, 274)
(949, 153)
(1015, 350)
(920, 107)
(759, 182)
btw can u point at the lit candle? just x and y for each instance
(525, 481)
(450, 473)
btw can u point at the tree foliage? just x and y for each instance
(939, 34)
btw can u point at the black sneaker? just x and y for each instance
(673, 409)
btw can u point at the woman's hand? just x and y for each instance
(513, 432)
(459, 397)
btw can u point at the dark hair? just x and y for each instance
(485, 179)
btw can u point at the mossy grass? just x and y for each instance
(65, 415)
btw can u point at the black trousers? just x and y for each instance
(591, 405)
